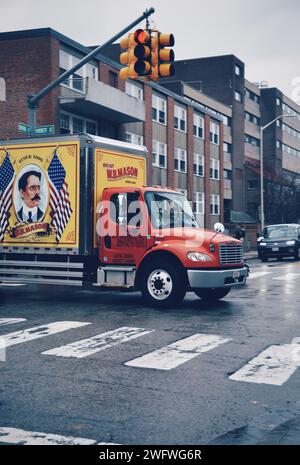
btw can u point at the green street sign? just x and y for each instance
(24, 128)
(49, 129)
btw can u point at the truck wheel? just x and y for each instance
(211, 294)
(163, 284)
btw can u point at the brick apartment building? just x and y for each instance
(184, 135)
(253, 106)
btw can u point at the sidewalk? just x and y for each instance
(251, 255)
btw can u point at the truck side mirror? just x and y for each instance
(219, 227)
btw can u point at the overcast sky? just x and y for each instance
(262, 33)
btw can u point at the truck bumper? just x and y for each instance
(217, 278)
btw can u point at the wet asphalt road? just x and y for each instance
(100, 398)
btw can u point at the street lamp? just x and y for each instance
(262, 128)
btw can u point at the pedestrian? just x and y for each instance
(240, 233)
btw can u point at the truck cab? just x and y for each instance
(149, 239)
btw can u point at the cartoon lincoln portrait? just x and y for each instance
(29, 196)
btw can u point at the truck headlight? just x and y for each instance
(199, 257)
(290, 242)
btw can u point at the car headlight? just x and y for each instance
(290, 242)
(262, 243)
(198, 257)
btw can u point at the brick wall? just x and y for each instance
(207, 217)
(190, 153)
(104, 72)
(148, 130)
(28, 65)
(170, 143)
(221, 154)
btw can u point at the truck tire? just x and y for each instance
(163, 284)
(211, 294)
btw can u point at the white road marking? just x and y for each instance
(179, 352)
(37, 332)
(19, 436)
(10, 321)
(287, 277)
(12, 284)
(258, 274)
(274, 366)
(90, 346)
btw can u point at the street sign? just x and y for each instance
(49, 129)
(40, 130)
(24, 128)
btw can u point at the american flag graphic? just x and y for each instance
(59, 196)
(7, 175)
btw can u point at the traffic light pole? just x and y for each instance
(33, 100)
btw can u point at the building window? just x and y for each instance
(198, 164)
(251, 95)
(199, 203)
(180, 160)
(227, 147)
(253, 184)
(180, 118)
(214, 134)
(64, 123)
(71, 124)
(278, 102)
(132, 138)
(214, 169)
(227, 174)
(198, 126)
(237, 96)
(278, 144)
(134, 90)
(252, 140)
(159, 109)
(91, 128)
(113, 79)
(237, 70)
(159, 154)
(215, 204)
(77, 125)
(76, 81)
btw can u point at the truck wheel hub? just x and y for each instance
(160, 284)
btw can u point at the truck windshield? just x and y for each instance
(281, 232)
(169, 210)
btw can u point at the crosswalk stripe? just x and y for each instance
(274, 366)
(258, 274)
(12, 284)
(287, 277)
(19, 436)
(179, 352)
(37, 332)
(90, 346)
(10, 321)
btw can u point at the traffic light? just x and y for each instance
(162, 58)
(138, 55)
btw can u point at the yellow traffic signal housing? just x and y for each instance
(127, 58)
(162, 59)
(137, 58)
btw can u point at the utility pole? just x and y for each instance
(33, 100)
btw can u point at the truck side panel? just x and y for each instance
(39, 197)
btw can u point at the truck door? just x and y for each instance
(126, 240)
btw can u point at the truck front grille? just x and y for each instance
(231, 254)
